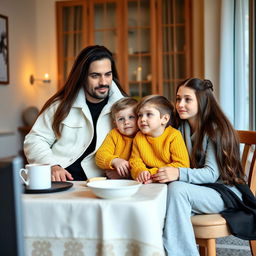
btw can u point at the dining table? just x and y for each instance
(75, 222)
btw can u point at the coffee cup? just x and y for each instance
(38, 176)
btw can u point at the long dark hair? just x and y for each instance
(76, 80)
(211, 121)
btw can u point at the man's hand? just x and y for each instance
(60, 174)
(121, 166)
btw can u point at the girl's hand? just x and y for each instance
(60, 174)
(166, 174)
(121, 166)
(144, 177)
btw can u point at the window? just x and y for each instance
(234, 63)
(252, 64)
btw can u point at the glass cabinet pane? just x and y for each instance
(140, 89)
(106, 38)
(146, 89)
(72, 18)
(179, 11)
(169, 90)
(173, 11)
(168, 67)
(168, 43)
(180, 37)
(139, 13)
(67, 67)
(174, 55)
(180, 70)
(72, 45)
(105, 25)
(139, 47)
(104, 15)
(72, 36)
(139, 41)
(139, 68)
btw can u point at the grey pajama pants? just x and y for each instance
(183, 200)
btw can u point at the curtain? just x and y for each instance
(234, 82)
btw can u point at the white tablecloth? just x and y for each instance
(75, 222)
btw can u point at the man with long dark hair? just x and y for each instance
(73, 122)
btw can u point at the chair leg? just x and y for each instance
(207, 247)
(202, 250)
(211, 247)
(253, 247)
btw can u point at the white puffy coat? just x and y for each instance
(42, 146)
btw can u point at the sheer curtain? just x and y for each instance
(234, 82)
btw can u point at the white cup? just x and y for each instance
(38, 176)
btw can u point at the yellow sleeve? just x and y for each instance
(153, 170)
(178, 151)
(105, 153)
(136, 162)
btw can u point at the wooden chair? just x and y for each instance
(208, 227)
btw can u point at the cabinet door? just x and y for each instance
(105, 24)
(72, 35)
(139, 48)
(150, 40)
(174, 44)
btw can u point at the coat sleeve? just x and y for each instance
(38, 142)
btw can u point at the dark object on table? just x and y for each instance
(57, 186)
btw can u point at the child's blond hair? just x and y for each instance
(122, 104)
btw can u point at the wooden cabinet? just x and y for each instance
(150, 40)
(174, 44)
(139, 53)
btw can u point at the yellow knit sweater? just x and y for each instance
(150, 153)
(115, 145)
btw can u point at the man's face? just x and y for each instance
(99, 80)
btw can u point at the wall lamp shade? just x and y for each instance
(46, 79)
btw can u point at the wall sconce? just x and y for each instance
(46, 79)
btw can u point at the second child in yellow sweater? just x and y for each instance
(114, 153)
(157, 144)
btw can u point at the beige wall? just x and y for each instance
(32, 50)
(15, 97)
(206, 30)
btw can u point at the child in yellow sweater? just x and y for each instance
(114, 153)
(157, 144)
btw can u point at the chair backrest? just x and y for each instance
(248, 138)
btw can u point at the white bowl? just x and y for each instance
(113, 189)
